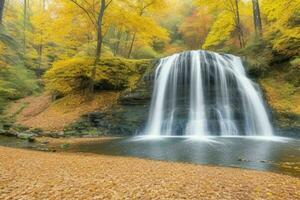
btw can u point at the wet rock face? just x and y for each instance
(131, 113)
(288, 124)
(125, 120)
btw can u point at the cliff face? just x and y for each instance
(129, 115)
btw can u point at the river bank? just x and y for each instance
(39, 175)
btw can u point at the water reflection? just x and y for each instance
(247, 152)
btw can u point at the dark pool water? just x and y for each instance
(268, 154)
(276, 154)
(14, 142)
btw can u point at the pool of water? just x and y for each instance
(275, 154)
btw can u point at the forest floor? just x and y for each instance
(26, 174)
(41, 112)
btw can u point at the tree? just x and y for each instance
(25, 25)
(257, 18)
(40, 50)
(230, 8)
(2, 3)
(141, 10)
(141, 7)
(102, 9)
(220, 32)
(99, 30)
(237, 19)
(93, 15)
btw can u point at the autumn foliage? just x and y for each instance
(54, 43)
(74, 74)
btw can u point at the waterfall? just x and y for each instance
(201, 93)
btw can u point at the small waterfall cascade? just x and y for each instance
(202, 93)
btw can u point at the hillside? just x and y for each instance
(39, 112)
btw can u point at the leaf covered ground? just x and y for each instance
(36, 175)
(41, 112)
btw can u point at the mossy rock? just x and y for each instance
(65, 146)
(27, 136)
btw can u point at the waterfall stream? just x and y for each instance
(201, 93)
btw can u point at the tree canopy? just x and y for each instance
(37, 36)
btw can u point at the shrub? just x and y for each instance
(68, 75)
(112, 73)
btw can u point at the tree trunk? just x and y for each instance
(124, 47)
(257, 18)
(2, 3)
(134, 34)
(131, 45)
(238, 25)
(24, 28)
(41, 46)
(99, 32)
(117, 45)
(99, 44)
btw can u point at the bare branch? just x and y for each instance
(146, 6)
(85, 10)
(106, 6)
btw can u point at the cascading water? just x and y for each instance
(201, 93)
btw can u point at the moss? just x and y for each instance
(283, 96)
(293, 74)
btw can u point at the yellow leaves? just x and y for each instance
(64, 76)
(220, 31)
(127, 16)
(288, 42)
(282, 28)
(149, 30)
(142, 6)
(273, 9)
(225, 32)
(74, 74)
